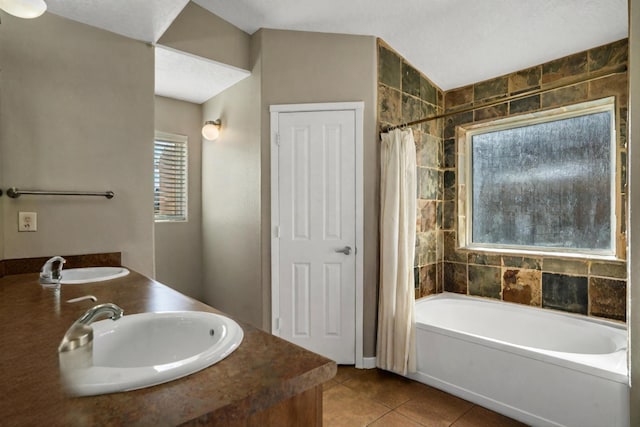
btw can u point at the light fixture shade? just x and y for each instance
(211, 130)
(24, 8)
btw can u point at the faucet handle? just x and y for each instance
(77, 336)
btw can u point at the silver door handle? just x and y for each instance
(346, 250)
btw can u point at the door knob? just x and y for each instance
(346, 250)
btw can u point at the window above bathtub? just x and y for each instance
(542, 183)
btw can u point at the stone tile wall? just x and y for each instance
(596, 288)
(404, 94)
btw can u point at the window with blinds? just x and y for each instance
(170, 177)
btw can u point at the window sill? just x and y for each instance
(540, 253)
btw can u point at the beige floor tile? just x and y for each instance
(393, 419)
(326, 386)
(385, 387)
(344, 407)
(432, 407)
(346, 372)
(481, 417)
(365, 397)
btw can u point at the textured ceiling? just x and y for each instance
(176, 73)
(453, 42)
(144, 20)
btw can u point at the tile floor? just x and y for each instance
(376, 398)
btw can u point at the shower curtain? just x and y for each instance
(396, 322)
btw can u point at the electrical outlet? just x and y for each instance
(27, 221)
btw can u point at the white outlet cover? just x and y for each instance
(27, 221)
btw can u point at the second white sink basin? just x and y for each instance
(146, 349)
(72, 276)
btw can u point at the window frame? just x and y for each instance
(175, 139)
(464, 176)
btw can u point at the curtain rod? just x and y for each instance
(595, 76)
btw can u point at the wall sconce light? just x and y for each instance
(24, 8)
(211, 129)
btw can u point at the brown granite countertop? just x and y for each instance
(263, 371)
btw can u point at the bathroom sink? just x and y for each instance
(142, 350)
(73, 276)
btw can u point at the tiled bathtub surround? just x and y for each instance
(568, 285)
(404, 94)
(596, 288)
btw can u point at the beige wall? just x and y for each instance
(634, 207)
(231, 202)
(287, 67)
(178, 245)
(76, 113)
(202, 33)
(303, 67)
(200, 258)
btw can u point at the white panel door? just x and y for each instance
(316, 186)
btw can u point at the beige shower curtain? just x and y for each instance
(396, 322)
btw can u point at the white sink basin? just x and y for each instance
(73, 276)
(147, 349)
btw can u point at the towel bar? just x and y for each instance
(15, 193)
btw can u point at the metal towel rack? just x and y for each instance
(14, 193)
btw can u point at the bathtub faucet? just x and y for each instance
(49, 274)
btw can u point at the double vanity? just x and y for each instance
(246, 377)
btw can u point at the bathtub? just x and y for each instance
(541, 367)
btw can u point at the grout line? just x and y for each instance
(390, 409)
(407, 416)
(399, 414)
(383, 415)
(462, 415)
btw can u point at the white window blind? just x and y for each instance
(170, 177)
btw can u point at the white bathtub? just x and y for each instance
(541, 367)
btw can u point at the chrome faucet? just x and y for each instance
(50, 275)
(111, 309)
(80, 333)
